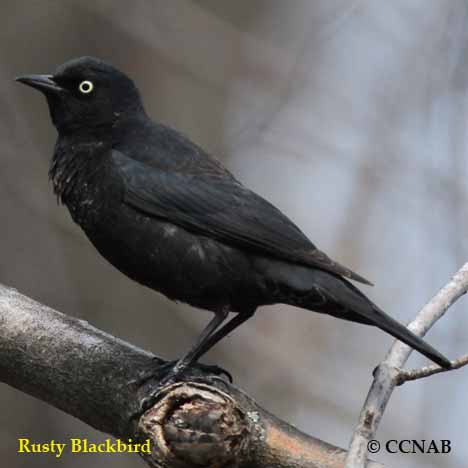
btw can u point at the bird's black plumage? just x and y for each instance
(171, 217)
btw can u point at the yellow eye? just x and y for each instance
(86, 87)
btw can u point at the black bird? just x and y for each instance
(172, 218)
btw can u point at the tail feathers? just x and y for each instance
(359, 308)
(388, 324)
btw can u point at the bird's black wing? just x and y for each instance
(220, 207)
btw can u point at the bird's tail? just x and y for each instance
(400, 332)
(346, 301)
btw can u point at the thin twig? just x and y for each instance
(386, 376)
(427, 371)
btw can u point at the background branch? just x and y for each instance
(427, 371)
(200, 421)
(389, 373)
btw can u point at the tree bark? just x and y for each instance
(200, 421)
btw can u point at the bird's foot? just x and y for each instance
(167, 374)
(150, 399)
(170, 367)
(162, 371)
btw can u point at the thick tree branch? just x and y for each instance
(389, 373)
(200, 421)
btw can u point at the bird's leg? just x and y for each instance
(186, 361)
(193, 354)
(235, 322)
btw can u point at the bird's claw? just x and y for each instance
(216, 370)
(148, 401)
(167, 368)
(166, 374)
(170, 378)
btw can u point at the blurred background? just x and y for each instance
(350, 116)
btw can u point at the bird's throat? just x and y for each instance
(74, 173)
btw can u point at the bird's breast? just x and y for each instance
(181, 264)
(84, 180)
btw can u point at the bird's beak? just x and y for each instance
(44, 83)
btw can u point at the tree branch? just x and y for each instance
(389, 373)
(199, 421)
(427, 371)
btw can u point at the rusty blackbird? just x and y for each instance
(171, 217)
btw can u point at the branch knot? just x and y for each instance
(196, 425)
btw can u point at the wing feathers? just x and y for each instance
(222, 208)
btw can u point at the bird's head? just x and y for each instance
(87, 93)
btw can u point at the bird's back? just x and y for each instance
(175, 179)
(163, 148)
